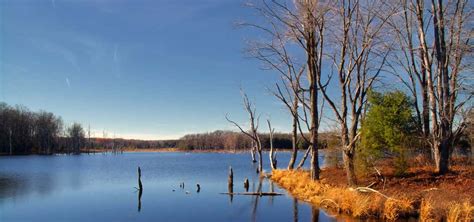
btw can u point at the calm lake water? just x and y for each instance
(100, 187)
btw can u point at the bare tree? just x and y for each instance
(408, 26)
(274, 54)
(451, 46)
(272, 154)
(358, 54)
(252, 133)
(437, 53)
(301, 24)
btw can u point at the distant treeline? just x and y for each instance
(230, 140)
(217, 140)
(119, 143)
(26, 132)
(23, 132)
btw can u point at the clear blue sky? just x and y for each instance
(136, 69)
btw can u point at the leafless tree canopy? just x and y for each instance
(352, 44)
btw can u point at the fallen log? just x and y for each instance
(255, 194)
(370, 190)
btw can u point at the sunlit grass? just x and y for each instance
(427, 210)
(461, 212)
(341, 199)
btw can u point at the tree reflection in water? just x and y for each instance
(295, 209)
(314, 214)
(140, 192)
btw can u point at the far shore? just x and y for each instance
(167, 150)
(171, 150)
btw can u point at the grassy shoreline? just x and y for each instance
(437, 198)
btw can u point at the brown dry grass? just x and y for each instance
(342, 199)
(419, 193)
(426, 211)
(461, 212)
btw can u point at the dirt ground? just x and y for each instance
(418, 184)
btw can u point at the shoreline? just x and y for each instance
(156, 150)
(421, 194)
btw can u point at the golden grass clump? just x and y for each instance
(394, 209)
(426, 210)
(461, 212)
(339, 199)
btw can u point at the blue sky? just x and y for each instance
(135, 69)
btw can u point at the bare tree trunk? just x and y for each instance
(305, 156)
(348, 159)
(252, 152)
(260, 157)
(314, 75)
(441, 157)
(425, 112)
(271, 154)
(314, 135)
(294, 140)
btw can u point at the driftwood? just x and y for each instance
(330, 201)
(370, 190)
(255, 194)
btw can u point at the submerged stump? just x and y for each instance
(140, 186)
(230, 183)
(140, 189)
(246, 184)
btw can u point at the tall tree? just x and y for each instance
(407, 62)
(452, 27)
(358, 52)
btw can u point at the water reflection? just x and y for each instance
(272, 190)
(256, 198)
(17, 186)
(70, 188)
(295, 209)
(314, 214)
(140, 191)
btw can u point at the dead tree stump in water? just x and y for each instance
(140, 186)
(246, 185)
(230, 180)
(230, 183)
(140, 189)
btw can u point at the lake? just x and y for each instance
(101, 187)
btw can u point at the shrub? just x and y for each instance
(387, 130)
